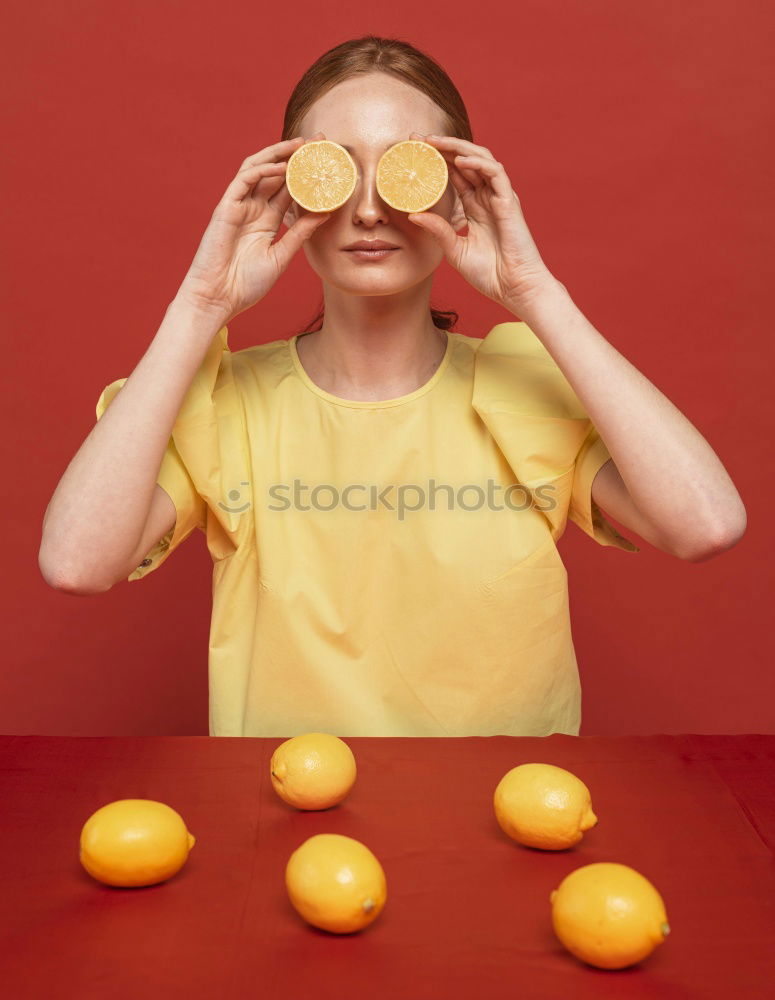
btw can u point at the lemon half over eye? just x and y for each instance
(321, 175)
(412, 176)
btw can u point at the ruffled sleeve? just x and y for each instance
(204, 468)
(540, 425)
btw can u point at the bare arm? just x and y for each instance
(98, 517)
(108, 510)
(665, 481)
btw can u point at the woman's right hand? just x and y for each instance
(237, 262)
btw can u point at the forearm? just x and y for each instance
(98, 511)
(672, 474)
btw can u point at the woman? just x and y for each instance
(381, 495)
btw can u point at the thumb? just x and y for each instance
(438, 228)
(298, 233)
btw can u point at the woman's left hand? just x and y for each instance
(499, 256)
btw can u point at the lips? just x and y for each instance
(373, 255)
(372, 245)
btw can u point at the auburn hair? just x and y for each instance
(386, 55)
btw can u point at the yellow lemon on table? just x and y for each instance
(544, 806)
(608, 915)
(412, 176)
(132, 842)
(320, 175)
(336, 883)
(313, 770)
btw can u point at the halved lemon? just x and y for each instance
(321, 175)
(412, 176)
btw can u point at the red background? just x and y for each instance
(638, 138)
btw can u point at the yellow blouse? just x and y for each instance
(386, 568)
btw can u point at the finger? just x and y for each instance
(491, 172)
(439, 229)
(249, 177)
(470, 176)
(463, 187)
(456, 144)
(468, 171)
(449, 156)
(281, 198)
(271, 190)
(282, 149)
(270, 153)
(277, 192)
(301, 230)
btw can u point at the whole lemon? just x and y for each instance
(608, 915)
(133, 842)
(313, 770)
(336, 883)
(541, 805)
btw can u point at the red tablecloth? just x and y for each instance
(467, 913)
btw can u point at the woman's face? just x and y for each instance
(367, 114)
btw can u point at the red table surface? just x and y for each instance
(467, 912)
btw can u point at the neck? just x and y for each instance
(376, 360)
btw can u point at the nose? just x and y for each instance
(365, 201)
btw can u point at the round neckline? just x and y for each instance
(369, 404)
